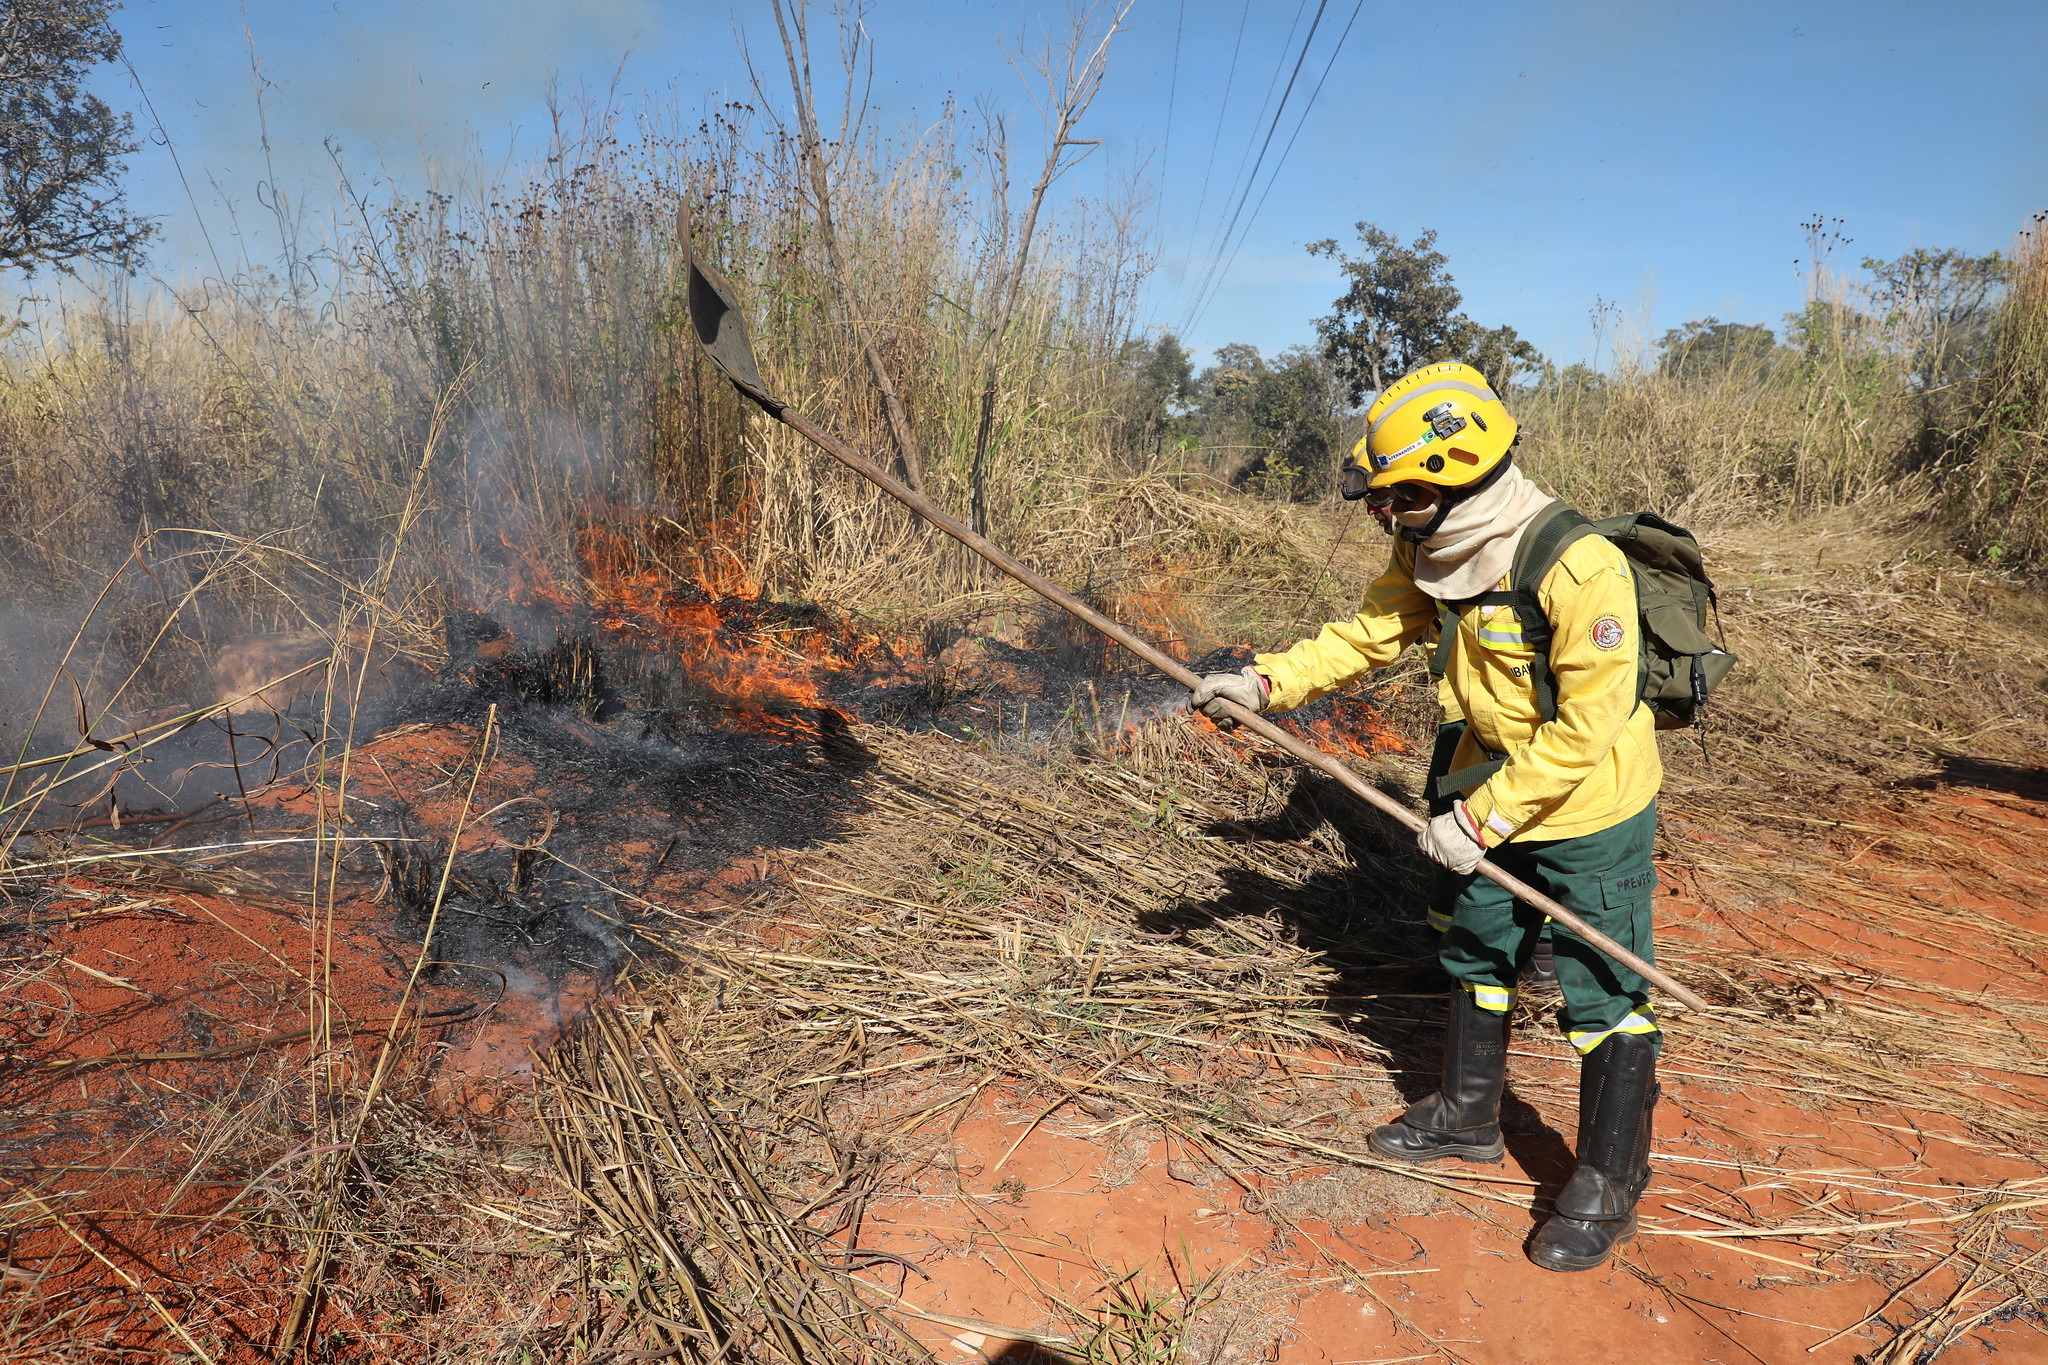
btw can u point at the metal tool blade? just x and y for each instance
(720, 325)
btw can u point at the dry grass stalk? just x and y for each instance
(1190, 938)
(1134, 926)
(1194, 942)
(717, 1268)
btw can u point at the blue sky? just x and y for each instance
(1658, 156)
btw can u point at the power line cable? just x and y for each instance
(1210, 277)
(1238, 176)
(1222, 111)
(1236, 180)
(1173, 86)
(1213, 276)
(1172, 94)
(1281, 163)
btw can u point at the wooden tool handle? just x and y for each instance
(1179, 672)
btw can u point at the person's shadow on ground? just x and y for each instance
(2029, 781)
(1365, 920)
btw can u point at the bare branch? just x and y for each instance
(791, 24)
(1072, 83)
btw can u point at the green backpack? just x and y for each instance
(1679, 665)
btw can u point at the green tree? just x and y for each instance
(1577, 377)
(1161, 379)
(1401, 310)
(1708, 346)
(1281, 419)
(1940, 304)
(61, 149)
(1830, 328)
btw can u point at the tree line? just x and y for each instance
(1279, 424)
(1282, 423)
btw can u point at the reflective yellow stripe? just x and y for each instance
(1641, 1019)
(1499, 999)
(1439, 921)
(1501, 637)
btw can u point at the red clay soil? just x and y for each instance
(1023, 1206)
(218, 989)
(997, 1246)
(155, 1041)
(139, 1015)
(1001, 1233)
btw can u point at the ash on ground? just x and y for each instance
(637, 766)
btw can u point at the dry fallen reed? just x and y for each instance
(1170, 931)
(1164, 932)
(1161, 933)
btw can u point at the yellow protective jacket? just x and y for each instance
(1592, 767)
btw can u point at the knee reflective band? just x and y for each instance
(1640, 1021)
(1463, 1118)
(1499, 999)
(1597, 1207)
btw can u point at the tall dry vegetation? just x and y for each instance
(2001, 471)
(512, 362)
(454, 385)
(1873, 391)
(1745, 439)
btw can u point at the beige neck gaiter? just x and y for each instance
(1475, 546)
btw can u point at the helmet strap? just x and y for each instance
(1415, 535)
(1452, 497)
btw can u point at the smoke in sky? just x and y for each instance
(408, 89)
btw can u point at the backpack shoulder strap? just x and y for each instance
(1553, 532)
(1543, 544)
(1556, 529)
(1446, 638)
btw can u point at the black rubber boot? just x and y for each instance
(1596, 1210)
(1463, 1118)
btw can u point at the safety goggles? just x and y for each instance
(1356, 484)
(1399, 497)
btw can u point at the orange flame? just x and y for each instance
(650, 583)
(654, 585)
(1153, 603)
(1354, 728)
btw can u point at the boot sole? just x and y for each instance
(1487, 1155)
(1566, 1265)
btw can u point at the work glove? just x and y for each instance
(1247, 687)
(1453, 840)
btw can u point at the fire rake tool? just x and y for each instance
(722, 331)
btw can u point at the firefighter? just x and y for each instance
(1567, 803)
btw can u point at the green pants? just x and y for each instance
(1607, 878)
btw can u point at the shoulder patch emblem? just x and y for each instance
(1607, 632)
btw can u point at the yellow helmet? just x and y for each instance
(1441, 424)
